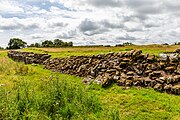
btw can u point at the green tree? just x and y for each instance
(70, 44)
(37, 45)
(1, 48)
(16, 43)
(127, 43)
(47, 43)
(58, 43)
(31, 45)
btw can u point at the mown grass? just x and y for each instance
(65, 52)
(36, 93)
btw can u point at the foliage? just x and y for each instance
(56, 43)
(177, 43)
(16, 43)
(1, 48)
(11, 68)
(127, 44)
(57, 100)
(47, 43)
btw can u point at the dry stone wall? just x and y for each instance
(28, 57)
(124, 68)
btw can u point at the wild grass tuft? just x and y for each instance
(57, 100)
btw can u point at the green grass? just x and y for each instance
(31, 92)
(77, 51)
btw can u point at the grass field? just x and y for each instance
(64, 52)
(31, 92)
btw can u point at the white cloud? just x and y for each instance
(91, 21)
(10, 7)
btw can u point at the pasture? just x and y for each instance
(31, 92)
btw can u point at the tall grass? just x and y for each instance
(57, 100)
(9, 67)
(28, 92)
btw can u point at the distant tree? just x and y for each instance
(31, 45)
(177, 43)
(37, 45)
(127, 43)
(58, 43)
(165, 44)
(119, 45)
(1, 48)
(70, 44)
(47, 43)
(16, 43)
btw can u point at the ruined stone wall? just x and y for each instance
(28, 57)
(124, 68)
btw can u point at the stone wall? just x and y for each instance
(124, 68)
(28, 57)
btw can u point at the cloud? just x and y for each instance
(126, 37)
(97, 21)
(17, 24)
(56, 23)
(145, 6)
(10, 7)
(108, 24)
(36, 36)
(104, 3)
(68, 35)
(88, 25)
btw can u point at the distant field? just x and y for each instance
(65, 52)
(31, 92)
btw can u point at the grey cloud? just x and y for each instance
(127, 37)
(36, 36)
(145, 6)
(132, 18)
(90, 28)
(150, 25)
(174, 33)
(15, 26)
(88, 25)
(134, 29)
(105, 3)
(98, 31)
(68, 35)
(57, 24)
(107, 24)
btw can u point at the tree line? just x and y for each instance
(17, 43)
(56, 43)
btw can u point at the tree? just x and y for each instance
(47, 43)
(58, 43)
(16, 43)
(1, 48)
(70, 44)
(37, 45)
(127, 44)
(177, 43)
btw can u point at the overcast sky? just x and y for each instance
(90, 22)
